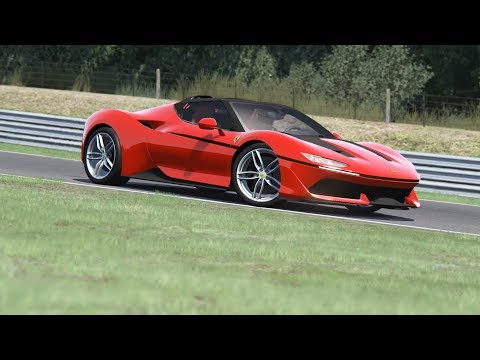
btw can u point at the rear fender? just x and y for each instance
(132, 136)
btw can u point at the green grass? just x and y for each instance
(447, 197)
(66, 250)
(40, 151)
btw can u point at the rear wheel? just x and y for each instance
(256, 175)
(103, 158)
(358, 209)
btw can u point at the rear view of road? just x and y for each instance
(431, 214)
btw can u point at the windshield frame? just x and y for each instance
(321, 131)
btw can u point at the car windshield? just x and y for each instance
(256, 116)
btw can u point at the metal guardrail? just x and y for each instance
(54, 132)
(447, 173)
(442, 173)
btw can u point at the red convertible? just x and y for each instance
(265, 152)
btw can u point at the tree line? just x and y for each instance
(355, 74)
(456, 68)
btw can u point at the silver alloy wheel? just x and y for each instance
(100, 156)
(256, 179)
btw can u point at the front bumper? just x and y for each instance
(312, 183)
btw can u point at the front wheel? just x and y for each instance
(256, 175)
(103, 158)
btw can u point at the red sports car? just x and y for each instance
(265, 152)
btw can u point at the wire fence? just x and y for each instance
(426, 109)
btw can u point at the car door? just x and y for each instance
(199, 155)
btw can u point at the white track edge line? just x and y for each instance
(272, 209)
(32, 177)
(248, 206)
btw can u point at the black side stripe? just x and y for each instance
(204, 140)
(368, 149)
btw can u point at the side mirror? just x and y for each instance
(337, 135)
(207, 124)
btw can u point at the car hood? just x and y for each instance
(368, 159)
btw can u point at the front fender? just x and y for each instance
(283, 145)
(385, 150)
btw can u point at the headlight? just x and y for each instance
(324, 161)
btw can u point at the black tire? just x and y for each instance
(269, 191)
(113, 177)
(362, 210)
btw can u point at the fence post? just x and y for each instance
(235, 88)
(293, 97)
(157, 88)
(387, 106)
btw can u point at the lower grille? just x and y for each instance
(345, 189)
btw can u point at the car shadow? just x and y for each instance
(232, 197)
(344, 212)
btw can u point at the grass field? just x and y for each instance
(424, 195)
(66, 250)
(40, 151)
(398, 136)
(68, 103)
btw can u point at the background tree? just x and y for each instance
(257, 71)
(303, 81)
(395, 68)
(456, 67)
(345, 75)
(358, 75)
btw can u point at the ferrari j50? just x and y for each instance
(265, 152)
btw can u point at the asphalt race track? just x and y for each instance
(431, 215)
